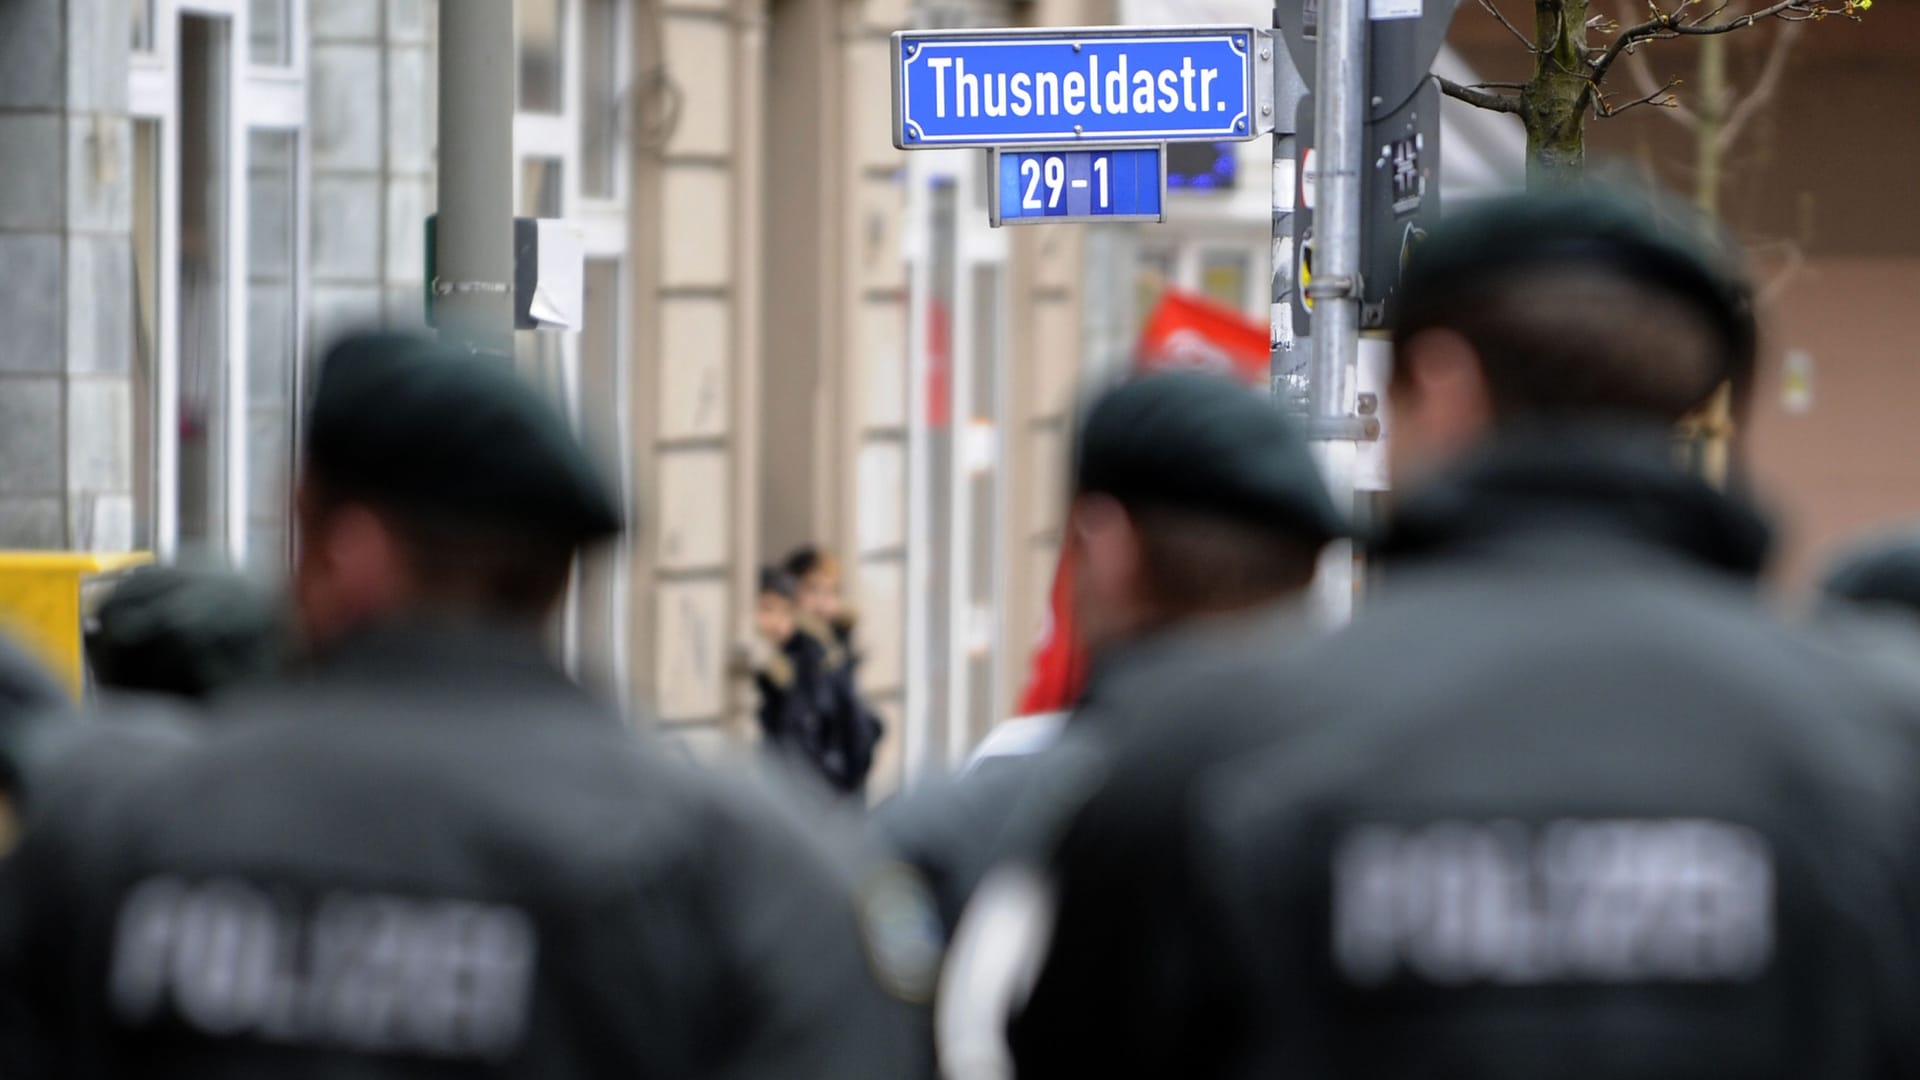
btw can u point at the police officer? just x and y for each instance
(186, 634)
(1563, 799)
(1881, 574)
(1196, 519)
(433, 854)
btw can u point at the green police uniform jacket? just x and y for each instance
(434, 857)
(1562, 801)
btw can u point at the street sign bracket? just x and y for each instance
(1266, 112)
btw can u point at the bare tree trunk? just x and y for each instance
(1710, 107)
(1555, 107)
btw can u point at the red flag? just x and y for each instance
(1191, 331)
(1059, 664)
(1184, 331)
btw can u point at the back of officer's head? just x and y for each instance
(437, 482)
(1882, 574)
(1193, 496)
(183, 633)
(1574, 306)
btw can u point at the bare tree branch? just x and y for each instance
(1764, 85)
(1661, 97)
(1495, 11)
(1642, 75)
(1485, 99)
(1498, 86)
(1674, 24)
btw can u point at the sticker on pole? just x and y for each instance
(1303, 276)
(1378, 10)
(1309, 175)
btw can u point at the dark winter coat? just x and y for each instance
(812, 712)
(1563, 800)
(434, 856)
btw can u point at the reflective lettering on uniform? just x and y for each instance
(1573, 901)
(369, 973)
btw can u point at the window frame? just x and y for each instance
(258, 97)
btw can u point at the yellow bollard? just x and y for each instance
(40, 603)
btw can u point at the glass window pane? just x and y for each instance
(141, 21)
(599, 98)
(146, 325)
(271, 346)
(541, 52)
(1153, 274)
(1223, 277)
(540, 187)
(268, 40)
(599, 609)
(201, 335)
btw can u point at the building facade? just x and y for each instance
(792, 332)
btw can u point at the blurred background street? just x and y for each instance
(793, 333)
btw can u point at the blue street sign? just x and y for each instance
(1110, 184)
(1112, 84)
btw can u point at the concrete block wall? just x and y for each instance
(371, 114)
(66, 454)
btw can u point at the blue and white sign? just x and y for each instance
(1104, 85)
(1109, 184)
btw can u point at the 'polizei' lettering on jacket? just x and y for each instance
(1119, 91)
(364, 972)
(1570, 901)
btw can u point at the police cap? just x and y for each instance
(1195, 441)
(1641, 237)
(402, 422)
(1884, 572)
(183, 632)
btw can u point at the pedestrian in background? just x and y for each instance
(827, 666)
(432, 853)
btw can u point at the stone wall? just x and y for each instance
(66, 448)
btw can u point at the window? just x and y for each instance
(141, 22)
(269, 37)
(598, 621)
(540, 194)
(145, 361)
(1154, 273)
(271, 343)
(542, 72)
(201, 329)
(1223, 277)
(599, 98)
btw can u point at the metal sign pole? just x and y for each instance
(1340, 109)
(1288, 367)
(473, 287)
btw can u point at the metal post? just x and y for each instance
(1288, 365)
(1339, 124)
(473, 301)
